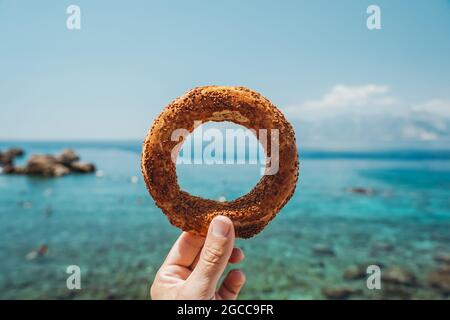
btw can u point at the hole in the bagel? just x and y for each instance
(220, 161)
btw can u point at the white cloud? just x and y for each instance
(436, 106)
(365, 116)
(417, 133)
(344, 99)
(343, 96)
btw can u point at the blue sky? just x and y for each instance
(342, 85)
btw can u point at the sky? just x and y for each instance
(341, 85)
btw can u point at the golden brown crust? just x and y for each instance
(249, 213)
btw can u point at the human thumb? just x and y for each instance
(214, 257)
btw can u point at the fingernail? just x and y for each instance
(220, 226)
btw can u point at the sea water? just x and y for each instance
(108, 225)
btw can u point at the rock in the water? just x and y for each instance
(339, 292)
(8, 169)
(440, 279)
(399, 275)
(82, 167)
(7, 157)
(15, 152)
(59, 170)
(5, 160)
(361, 190)
(48, 211)
(382, 246)
(323, 250)
(391, 292)
(46, 165)
(67, 157)
(442, 257)
(19, 170)
(355, 271)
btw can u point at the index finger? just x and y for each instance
(185, 250)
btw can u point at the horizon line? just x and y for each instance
(305, 149)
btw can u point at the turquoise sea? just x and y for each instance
(110, 227)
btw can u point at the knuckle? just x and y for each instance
(212, 255)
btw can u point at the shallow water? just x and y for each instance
(110, 227)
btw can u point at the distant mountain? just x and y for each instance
(376, 131)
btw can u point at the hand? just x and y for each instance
(194, 265)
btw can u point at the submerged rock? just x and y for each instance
(361, 190)
(355, 272)
(25, 204)
(323, 250)
(440, 279)
(382, 246)
(359, 271)
(48, 211)
(339, 292)
(443, 258)
(399, 275)
(392, 292)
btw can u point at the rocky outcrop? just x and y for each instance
(7, 157)
(82, 167)
(45, 165)
(51, 166)
(67, 157)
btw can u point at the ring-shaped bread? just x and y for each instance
(253, 211)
